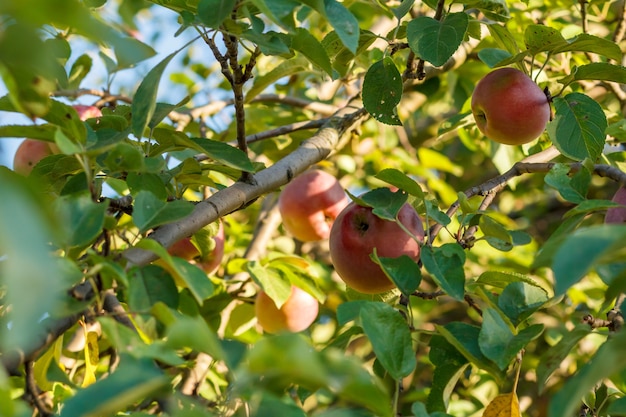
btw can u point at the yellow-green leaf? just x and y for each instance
(504, 405)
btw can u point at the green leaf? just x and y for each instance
(403, 271)
(498, 343)
(552, 358)
(305, 43)
(449, 365)
(582, 250)
(80, 68)
(271, 405)
(33, 280)
(284, 69)
(130, 51)
(344, 23)
(195, 333)
(43, 132)
(144, 100)
(601, 71)
(520, 300)
(608, 360)
(492, 228)
(493, 56)
(404, 7)
(401, 180)
(385, 203)
(593, 44)
(445, 263)
(213, 12)
(540, 38)
(382, 91)
(276, 287)
(82, 218)
(124, 157)
(142, 181)
(436, 41)
(493, 9)
(149, 285)
(578, 129)
(150, 212)
(464, 337)
(501, 279)
(133, 380)
(390, 337)
(225, 153)
(571, 190)
(280, 12)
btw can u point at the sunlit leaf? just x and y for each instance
(150, 212)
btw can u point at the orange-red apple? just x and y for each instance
(295, 315)
(310, 203)
(28, 154)
(211, 260)
(355, 234)
(617, 214)
(509, 107)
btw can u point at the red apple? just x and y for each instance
(28, 154)
(310, 203)
(295, 315)
(509, 107)
(355, 234)
(87, 112)
(617, 214)
(208, 262)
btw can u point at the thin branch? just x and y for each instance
(32, 390)
(491, 187)
(112, 305)
(283, 130)
(620, 30)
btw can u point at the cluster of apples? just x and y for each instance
(31, 151)
(314, 207)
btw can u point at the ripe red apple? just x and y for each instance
(509, 107)
(355, 234)
(186, 249)
(28, 154)
(87, 112)
(617, 214)
(310, 203)
(295, 315)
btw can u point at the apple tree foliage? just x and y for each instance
(514, 307)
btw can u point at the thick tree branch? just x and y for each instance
(240, 194)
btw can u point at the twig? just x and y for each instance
(620, 30)
(32, 390)
(112, 305)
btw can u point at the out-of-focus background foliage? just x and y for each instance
(515, 308)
